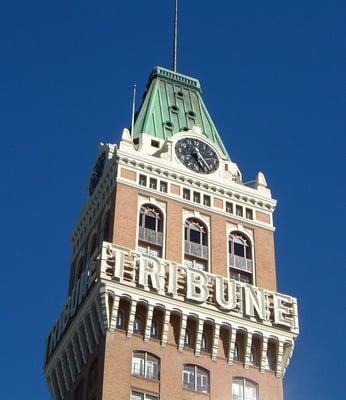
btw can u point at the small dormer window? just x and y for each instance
(142, 180)
(155, 143)
(239, 211)
(153, 183)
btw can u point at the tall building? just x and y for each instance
(172, 291)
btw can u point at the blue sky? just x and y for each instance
(272, 75)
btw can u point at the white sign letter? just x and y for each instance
(282, 310)
(228, 300)
(254, 301)
(197, 286)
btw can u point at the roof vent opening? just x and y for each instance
(180, 94)
(175, 108)
(191, 114)
(155, 143)
(169, 124)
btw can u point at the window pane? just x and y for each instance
(250, 391)
(202, 381)
(196, 197)
(137, 396)
(195, 236)
(204, 239)
(186, 194)
(249, 213)
(138, 364)
(150, 222)
(163, 186)
(120, 320)
(154, 252)
(189, 377)
(152, 368)
(248, 253)
(142, 180)
(237, 389)
(229, 207)
(153, 183)
(239, 211)
(149, 397)
(206, 200)
(199, 265)
(239, 249)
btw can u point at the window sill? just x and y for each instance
(146, 379)
(196, 391)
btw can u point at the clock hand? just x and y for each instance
(200, 157)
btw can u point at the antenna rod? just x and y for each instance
(175, 43)
(133, 111)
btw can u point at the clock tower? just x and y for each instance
(172, 291)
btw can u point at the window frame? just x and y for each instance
(146, 355)
(234, 272)
(156, 246)
(197, 372)
(244, 382)
(144, 395)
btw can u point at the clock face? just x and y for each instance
(197, 155)
(97, 172)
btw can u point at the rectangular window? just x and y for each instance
(163, 186)
(153, 183)
(249, 213)
(206, 200)
(142, 180)
(229, 207)
(186, 194)
(143, 396)
(155, 143)
(239, 211)
(196, 197)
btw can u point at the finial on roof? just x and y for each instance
(260, 180)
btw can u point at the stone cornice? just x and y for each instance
(235, 191)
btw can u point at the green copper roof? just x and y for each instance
(173, 103)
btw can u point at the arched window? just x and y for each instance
(137, 326)
(120, 319)
(145, 365)
(196, 378)
(239, 348)
(150, 235)
(240, 257)
(154, 330)
(196, 244)
(204, 346)
(188, 342)
(244, 389)
(271, 355)
(255, 351)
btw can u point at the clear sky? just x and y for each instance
(273, 78)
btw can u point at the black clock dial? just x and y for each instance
(197, 155)
(97, 172)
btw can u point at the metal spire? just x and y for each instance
(133, 111)
(175, 41)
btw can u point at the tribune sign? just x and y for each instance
(166, 278)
